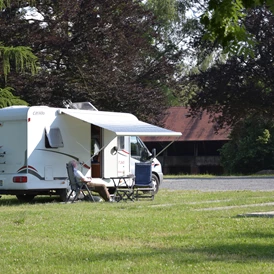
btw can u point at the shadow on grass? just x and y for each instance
(225, 253)
(10, 200)
(236, 252)
(239, 253)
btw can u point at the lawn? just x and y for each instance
(178, 232)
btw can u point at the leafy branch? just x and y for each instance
(22, 57)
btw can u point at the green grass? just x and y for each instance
(178, 232)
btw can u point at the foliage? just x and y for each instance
(223, 21)
(238, 88)
(181, 25)
(165, 10)
(178, 232)
(250, 148)
(4, 4)
(19, 57)
(107, 52)
(22, 58)
(8, 99)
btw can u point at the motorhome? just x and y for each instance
(36, 143)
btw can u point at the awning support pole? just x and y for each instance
(166, 147)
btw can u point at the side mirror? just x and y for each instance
(114, 150)
(153, 153)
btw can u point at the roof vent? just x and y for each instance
(79, 105)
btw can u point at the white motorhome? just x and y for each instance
(37, 142)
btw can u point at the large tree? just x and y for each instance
(239, 87)
(106, 52)
(239, 93)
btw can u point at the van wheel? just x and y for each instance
(155, 182)
(25, 197)
(62, 194)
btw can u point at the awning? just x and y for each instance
(122, 124)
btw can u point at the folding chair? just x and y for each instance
(143, 186)
(77, 187)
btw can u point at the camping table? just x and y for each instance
(123, 190)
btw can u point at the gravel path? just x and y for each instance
(220, 184)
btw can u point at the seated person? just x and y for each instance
(100, 188)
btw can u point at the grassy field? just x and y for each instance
(178, 232)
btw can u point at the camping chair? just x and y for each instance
(143, 186)
(77, 187)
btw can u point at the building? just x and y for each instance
(196, 151)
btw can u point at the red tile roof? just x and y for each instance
(192, 129)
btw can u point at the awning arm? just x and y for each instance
(91, 158)
(97, 152)
(166, 147)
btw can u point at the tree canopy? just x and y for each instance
(240, 87)
(108, 52)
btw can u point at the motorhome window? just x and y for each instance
(121, 142)
(53, 138)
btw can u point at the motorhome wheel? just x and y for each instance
(155, 182)
(63, 194)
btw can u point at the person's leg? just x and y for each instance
(101, 189)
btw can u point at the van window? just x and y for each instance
(53, 138)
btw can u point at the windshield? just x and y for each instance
(138, 149)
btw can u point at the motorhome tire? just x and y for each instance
(156, 183)
(63, 193)
(25, 197)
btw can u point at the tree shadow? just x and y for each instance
(257, 235)
(216, 253)
(10, 200)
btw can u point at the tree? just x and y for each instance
(239, 93)
(240, 87)
(106, 52)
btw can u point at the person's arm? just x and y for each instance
(81, 176)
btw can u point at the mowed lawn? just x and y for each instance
(178, 232)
